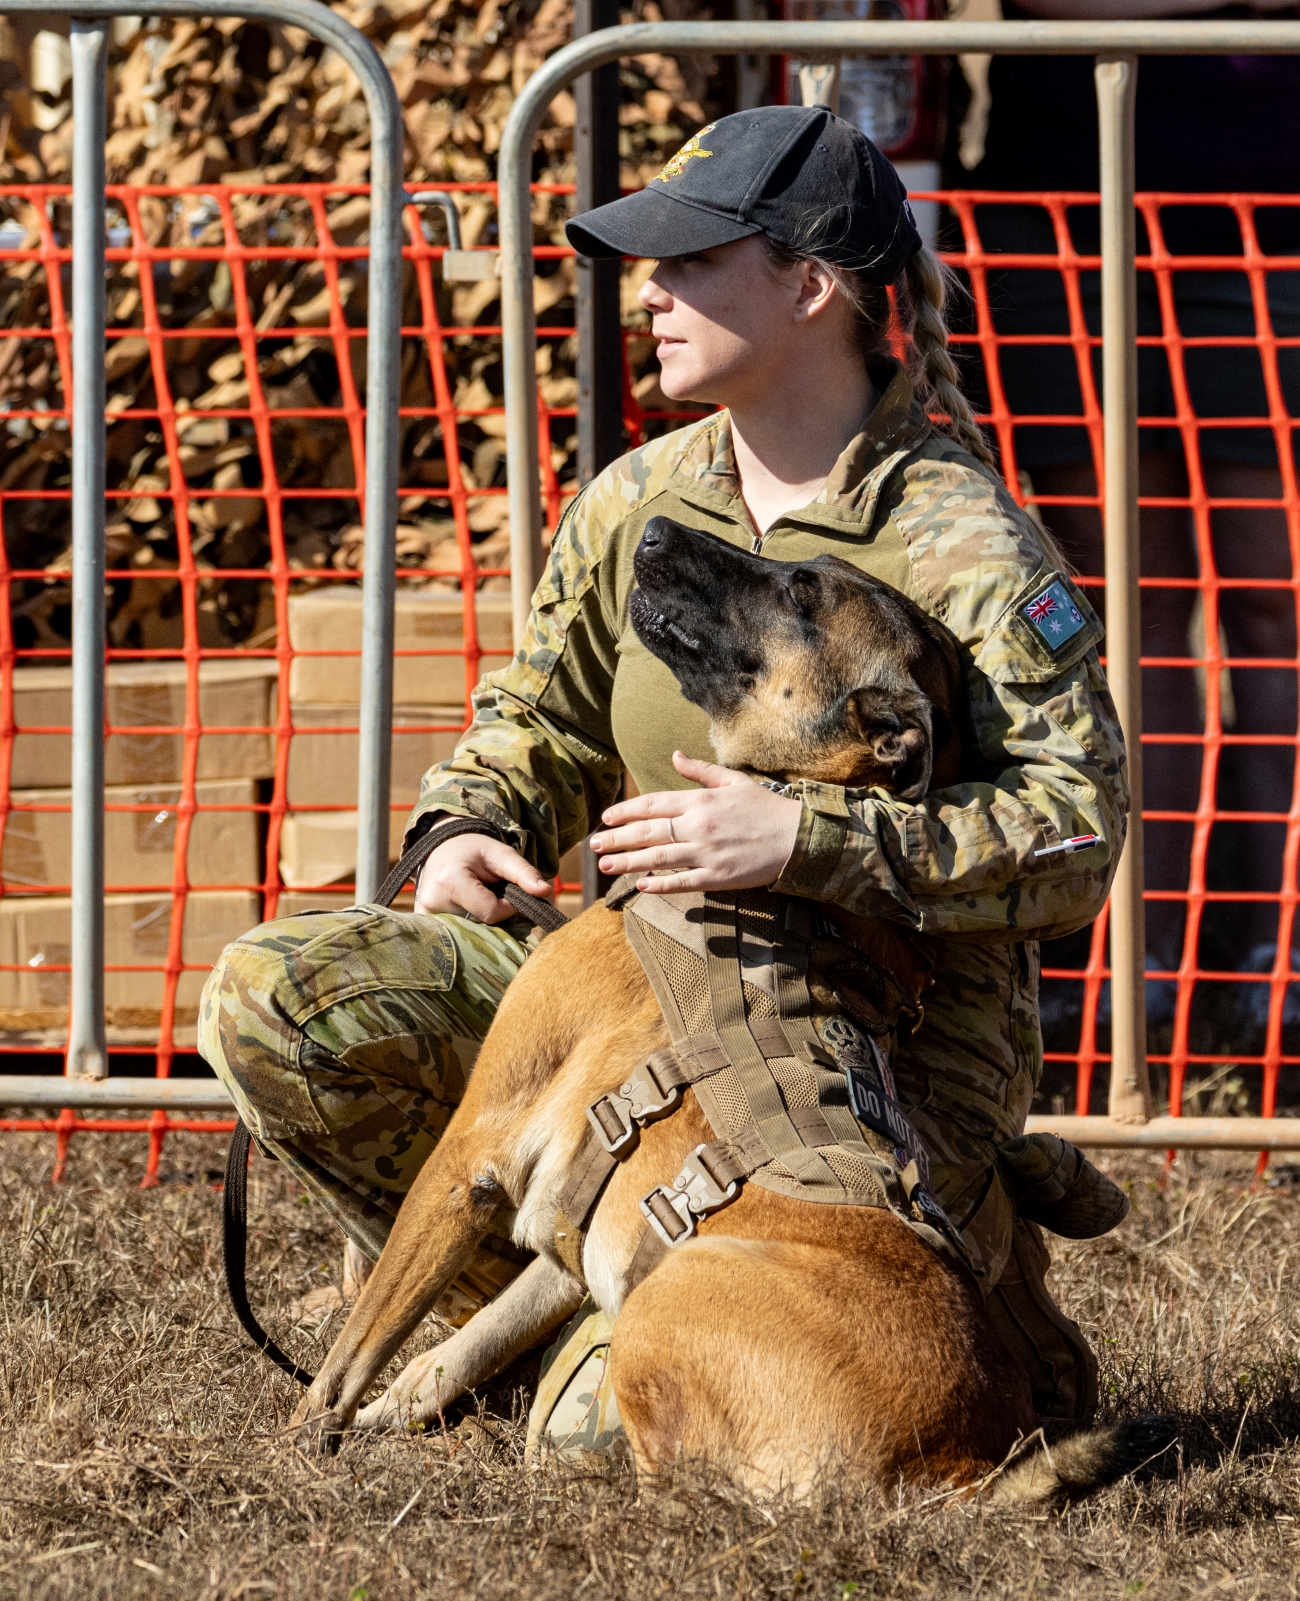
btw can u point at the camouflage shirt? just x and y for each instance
(584, 699)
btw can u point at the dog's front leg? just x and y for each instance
(527, 1310)
(448, 1210)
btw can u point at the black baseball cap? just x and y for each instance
(799, 174)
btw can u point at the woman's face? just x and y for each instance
(728, 324)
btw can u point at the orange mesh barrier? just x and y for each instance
(243, 231)
(1199, 1026)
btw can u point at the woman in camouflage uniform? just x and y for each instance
(346, 1038)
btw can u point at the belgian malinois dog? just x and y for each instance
(785, 1338)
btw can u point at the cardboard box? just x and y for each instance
(35, 933)
(321, 847)
(323, 763)
(329, 619)
(139, 846)
(232, 694)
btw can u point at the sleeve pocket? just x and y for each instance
(568, 573)
(1024, 647)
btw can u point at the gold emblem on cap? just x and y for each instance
(690, 151)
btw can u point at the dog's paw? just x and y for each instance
(317, 1423)
(317, 1305)
(416, 1397)
(317, 1433)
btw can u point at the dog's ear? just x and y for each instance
(896, 730)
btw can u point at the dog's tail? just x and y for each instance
(1074, 1467)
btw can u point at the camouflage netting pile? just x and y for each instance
(226, 103)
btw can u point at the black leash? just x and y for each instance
(541, 914)
(234, 1206)
(234, 1253)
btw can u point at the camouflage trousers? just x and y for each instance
(346, 1040)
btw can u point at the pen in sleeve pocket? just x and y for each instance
(1067, 847)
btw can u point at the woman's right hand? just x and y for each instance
(456, 878)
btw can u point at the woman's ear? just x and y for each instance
(816, 290)
(895, 729)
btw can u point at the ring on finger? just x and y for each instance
(671, 835)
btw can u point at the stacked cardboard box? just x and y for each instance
(223, 857)
(233, 694)
(144, 771)
(36, 933)
(319, 847)
(140, 827)
(328, 620)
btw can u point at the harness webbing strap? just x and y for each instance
(650, 1251)
(595, 1163)
(790, 967)
(740, 1155)
(770, 1035)
(759, 1086)
(729, 1161)
(591, 1172)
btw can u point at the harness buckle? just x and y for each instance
(611, 1117)
(695, 1192)
(668, 1212)
(647, 1096)
(701, 1188)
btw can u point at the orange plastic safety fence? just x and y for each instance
(262, 413)
(163, 230)
(1207, 1025)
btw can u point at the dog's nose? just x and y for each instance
(653, 535)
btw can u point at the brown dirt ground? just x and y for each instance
(143, 1448)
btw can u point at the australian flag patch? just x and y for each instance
(1054, 615)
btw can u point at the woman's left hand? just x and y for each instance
(731, 833)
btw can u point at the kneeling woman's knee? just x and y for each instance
(248, 1033)
(342, 978)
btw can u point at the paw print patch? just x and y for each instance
(1054, 615)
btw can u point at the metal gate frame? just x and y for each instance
(87, 1057)
(1116, 47)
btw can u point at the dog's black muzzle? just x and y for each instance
(699, 606)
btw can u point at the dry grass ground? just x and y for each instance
(143, 1451)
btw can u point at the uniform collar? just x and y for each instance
(704, 470)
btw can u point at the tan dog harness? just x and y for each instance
(806, 1109)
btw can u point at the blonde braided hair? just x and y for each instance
(921, 295)
(925, 286)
